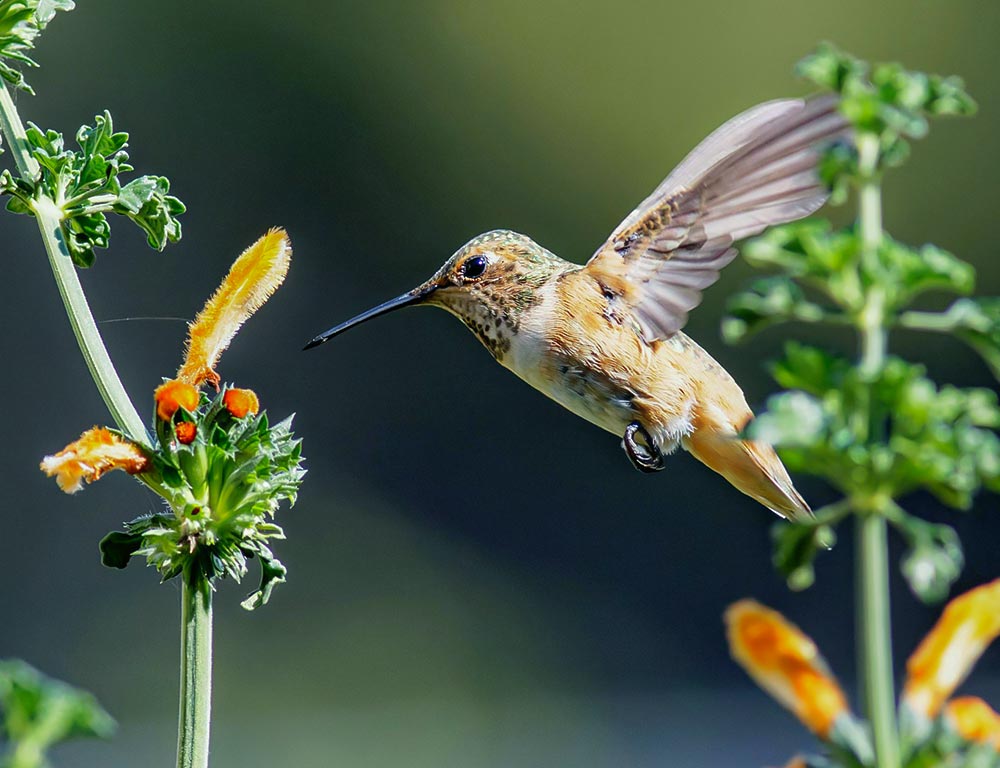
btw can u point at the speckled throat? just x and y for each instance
(494, 308)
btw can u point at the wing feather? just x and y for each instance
(757, 170)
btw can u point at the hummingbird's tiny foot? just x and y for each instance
(645, 456)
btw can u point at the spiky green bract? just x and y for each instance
(21, 22)
(81, 186)
(223, 490)
(37, 712)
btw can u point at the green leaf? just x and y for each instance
(837, 166)
(118, 547)
(977, 323)
(907, 272)
(21, 22)
(812, 253)
(40, 712)
(272, 573)
(810, 369)
(853, 737)
(791, 419)
(795, 548)
(830, 68)
(146, 202)
(767, 302)
(934, 558)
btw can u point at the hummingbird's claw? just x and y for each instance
(645, 456)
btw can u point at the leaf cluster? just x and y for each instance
(875, 435)
(937, 439)
(223, 489)
(37, 712)
(21, 21)
(82, 186)
(885, 99)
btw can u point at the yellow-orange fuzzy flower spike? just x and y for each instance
(97, 451)
(240, 402)
(968, 624)
(254, 276)
(172, 395)
(975, 720)
(785, 663)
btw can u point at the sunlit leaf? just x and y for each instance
(21, 22)
(83, 186)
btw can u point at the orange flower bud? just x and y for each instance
(975, 720)
(172, 395)
(97, 451)
(186, 432)
(240, 402)
(785, 663)
(968, 624)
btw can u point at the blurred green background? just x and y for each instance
(477, 578)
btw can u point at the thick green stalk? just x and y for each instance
(872, 320)
(874, 626)
(48, 215)
(196, 671)
(875, 636)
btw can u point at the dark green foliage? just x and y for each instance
(37, 712)
(81, 186)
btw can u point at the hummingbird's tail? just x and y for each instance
(752, 467)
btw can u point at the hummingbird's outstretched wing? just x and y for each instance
(757, 170)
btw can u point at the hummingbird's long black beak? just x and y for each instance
(411, 297)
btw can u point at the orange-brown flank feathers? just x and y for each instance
(598, 366)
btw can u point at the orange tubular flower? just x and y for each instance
(975, 720)
(943, 659)
(172, 395)
(254, 276)
(240, 402)
(97, 451)
(786, 664)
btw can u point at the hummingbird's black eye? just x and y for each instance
(474, 267)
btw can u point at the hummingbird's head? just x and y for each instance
(488, 284)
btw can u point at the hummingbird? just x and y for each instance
(604, 339)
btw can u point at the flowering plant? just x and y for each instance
(219, 466)
(876, 428)
(214, 458)
(936, 729)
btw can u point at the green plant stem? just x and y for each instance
(196, 671)
(48, 215)
(874, 626)
(872, 317)
(875, 636)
